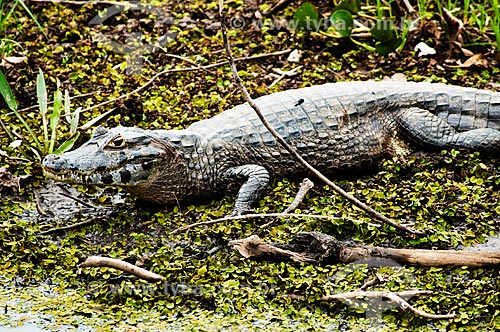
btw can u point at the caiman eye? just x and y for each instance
(117, 142)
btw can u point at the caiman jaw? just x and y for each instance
(129, 174)
(125, 157)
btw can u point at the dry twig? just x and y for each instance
(178, 70)
(283, 74)
(73, 226)
(395, 297)
(275, 7)
(91, 2)
(255, 215)
(305, 186)
(377, 279)
(408, 6)
(99, 261)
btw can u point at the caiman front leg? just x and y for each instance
(257, 178)
(429, 131)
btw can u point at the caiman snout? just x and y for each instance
(69, 163)
(71, 169)
(54, 162)
(55, 167)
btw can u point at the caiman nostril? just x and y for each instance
(52, 161)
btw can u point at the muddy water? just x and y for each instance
(492, 244)
(28, 309)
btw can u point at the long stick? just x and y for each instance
(322, 249)
(178, 70)
(99, 261)
(290, 149)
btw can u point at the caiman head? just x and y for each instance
(141, 161)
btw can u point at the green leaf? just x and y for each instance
(383, 30)
(387, 47)
(306, 18)
(72, 119)
(343, 22)
(67, 145)
(54, 119)
(41, 93)
(353, 6)
(12, 104)
(7, 93)
(202, 270)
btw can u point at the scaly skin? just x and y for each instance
(336, 127)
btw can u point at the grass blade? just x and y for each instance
(496, 27)
(54, 119)
(4, 18)
(41, 93)
(7, 93)
(32, 17)
(72, 119)
(68, 144)
(32, 134)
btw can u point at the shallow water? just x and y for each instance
(24, 309)
(492, 243)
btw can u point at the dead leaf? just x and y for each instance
(477, 60)
(455, 31)
(15, 59)
(424, 49)
(397, 77)
(455, 27)
(9, 183)
(467, 52)
(294, 56)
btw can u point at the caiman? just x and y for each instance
(336, 127)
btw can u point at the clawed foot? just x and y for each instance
(239, 211)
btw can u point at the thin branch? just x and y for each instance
(95, 120)
(70, 227)
(305, 186)
(290, 149)
(395, 297)
(51, 102)
(175, 56)
(165, 72)
(99, 261)
(77, 200)
(254, 215)
(377, 279)
(90, 2)
(178, 70)
(274, 8)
